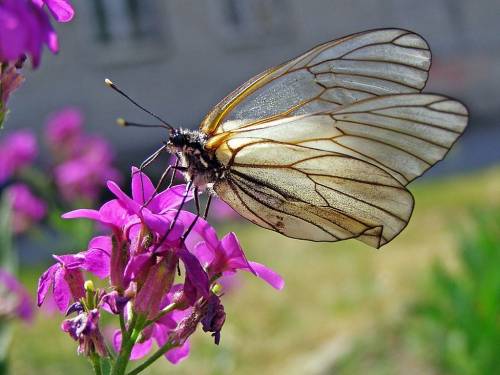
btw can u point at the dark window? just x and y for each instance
(124, 19)
(251, 22)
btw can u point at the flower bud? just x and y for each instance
(216, 288)
(119, 259)
(89, 286)
(214, 317)
(84, 328)
(157, 284)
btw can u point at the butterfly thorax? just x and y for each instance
(196, 163)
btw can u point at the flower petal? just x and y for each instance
(101, 242)
(113, 213)
(82, 214)
(124, 199)
(176, 355)
(96, 261)
(140, 350)
(202, 230)
(268, 275)
(61, 10)
(204, 254)
(70, 261)
(171, 198)
(194, 272)
(61, 291)
(44, 283)
(134, 266)
(142, 187)
(234, 254)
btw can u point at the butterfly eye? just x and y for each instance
(177, 139)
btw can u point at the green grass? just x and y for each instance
(341, 291)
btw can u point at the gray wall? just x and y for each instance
(195, 52)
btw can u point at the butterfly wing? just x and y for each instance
(315, 195)
(402, 134)
(341, 174)
(322, 147)
(340, 72)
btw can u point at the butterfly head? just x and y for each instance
(183, 140)
(199, 165)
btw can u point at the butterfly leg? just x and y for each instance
(175, 168)
(189, 185)
(151, 158)
(207, 207)
(193, 223)
(162, 180)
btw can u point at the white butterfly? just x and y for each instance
(322, 147)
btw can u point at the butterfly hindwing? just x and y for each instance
(341, 174)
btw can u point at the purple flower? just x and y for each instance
(63, 132)
(66, 279)
(83, 176)
(84, 328)
(155, 211)
(26, 208)
(140, 259)
(226, 257)
(17, 150)
(15, 301)
(61, 10)
(96, 259)
(24, 29)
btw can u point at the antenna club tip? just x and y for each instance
(108, 82)
(121, 122)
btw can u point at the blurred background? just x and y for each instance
(181, 57)
(425, 304)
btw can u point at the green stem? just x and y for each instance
(148, 362)
(128, 340)
(122, 323)
(162, 313)
(96, 363)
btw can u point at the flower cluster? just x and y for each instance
(28, 209)
(81, 165)
(15, 301)
(83, 162)
(17, 151)
(24, 30)
(161, 284)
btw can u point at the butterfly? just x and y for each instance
(322, 147)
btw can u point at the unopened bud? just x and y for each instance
(89, 286)
(216, 288)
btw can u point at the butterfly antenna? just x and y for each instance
(122, 122)
(119, 91)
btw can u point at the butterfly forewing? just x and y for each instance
(321, 147)
(333, 74)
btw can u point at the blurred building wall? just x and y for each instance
(179, 57)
